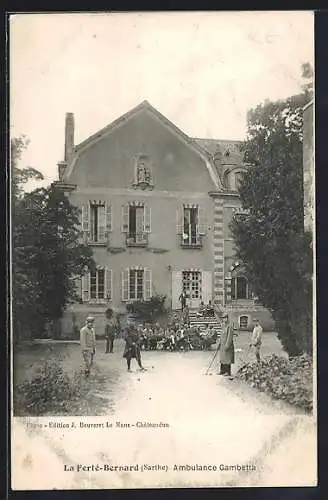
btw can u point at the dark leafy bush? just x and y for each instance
(287, 379)
(50, 390)
(148, 310)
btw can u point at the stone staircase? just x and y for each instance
(202, 322)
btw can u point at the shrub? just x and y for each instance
(148, 310)
(287, 379)
(51, 389)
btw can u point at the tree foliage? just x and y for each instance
(269, 237)
(47, 256)
(20, 176)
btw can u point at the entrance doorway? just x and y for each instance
(192, 286)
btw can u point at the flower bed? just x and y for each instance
(289, 380)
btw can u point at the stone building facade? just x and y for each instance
(155, 208)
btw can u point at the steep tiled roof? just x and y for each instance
(227, 152)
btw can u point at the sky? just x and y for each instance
(202, 70)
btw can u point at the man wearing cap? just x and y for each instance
(256, 341)
(88, 344)
(226, 346)
(132, 347)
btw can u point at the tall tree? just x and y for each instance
(47, 252)
(269, 237)
(48, 258)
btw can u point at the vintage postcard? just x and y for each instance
(162, 250)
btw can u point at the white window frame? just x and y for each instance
(108, 287)
(104, 222)
(146, 284)
(146, 223)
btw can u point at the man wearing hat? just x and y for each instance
(226, 346)
(132, 347)
(88, 344)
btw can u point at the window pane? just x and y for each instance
(233, 288)
(140, 284)
(241, 288)
(132, 220)
(93, 285)
(101, 284)
(132, 284)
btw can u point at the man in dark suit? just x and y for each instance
(132, 348)
(109, 336)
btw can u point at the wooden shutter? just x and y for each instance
(179, 219)
(86, 287)
(147, 283)
(176, 288)
(125, 285)
(201, 220)
(78, 286)
(147, 219)
(101, 223)
(86, 220)
(206, 286)
(108, 218)
(109, 284)
(125, 218)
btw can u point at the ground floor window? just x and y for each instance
(136, 284)
(97, 285)
(240, 288)
(243, 322)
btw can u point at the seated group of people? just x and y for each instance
(206, 310)
(176, 336)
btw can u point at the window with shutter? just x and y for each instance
(101, 233)
(138, 220)
(97, 285)
(201, 220)
(125, 218)
(108, 218)
(190, 236)
(97, 222)
(125, 285)
(147, 284)
(147, 219)
(85, 221)
(179, 219)
(109, 284)
(86, 287)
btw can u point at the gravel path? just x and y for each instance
(201, 421)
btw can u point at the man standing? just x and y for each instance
(256, 341)
(109, 335)
(88, 344)
(132, 348)
(183, 299)
(226, 346)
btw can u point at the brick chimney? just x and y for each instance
(69, 136)
(69, 145)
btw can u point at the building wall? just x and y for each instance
(163, 250)
(105, 171)
(308, 166)
(110, 160)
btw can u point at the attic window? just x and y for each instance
(227, 153)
